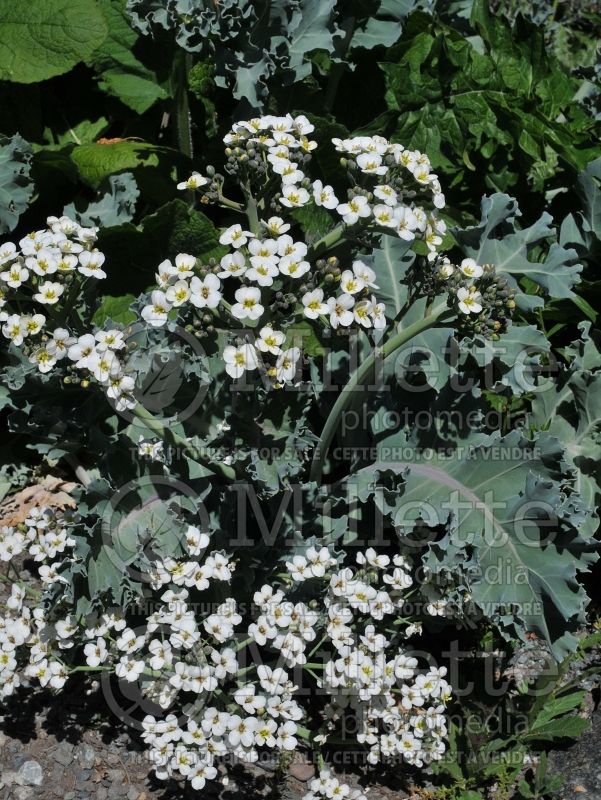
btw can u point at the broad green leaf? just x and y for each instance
(391, 263)
(116, 206)
(489, 243)
(16, 185)
(121, 73)
(501, 501)
(47, 37)
(95, 162)
(116, 309)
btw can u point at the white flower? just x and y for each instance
(324, 195)
(13, 329)
(285, 739)
(385, 193)
(90, 264)
(109, 340)
(104, 365)
(184, 265)
(340, 310)
(286, 364)
(205, 293)
(156, 313)
(354, 210)
(350, 282)
(294, 196)
(384, 216)
(81, 351)
(469, 301)
(313, 304)
(263, 270)
(44, 359)
(248, 303)
(276, 226)
(8, 251)
(95, 652)
(178, 293)
(200, 774)
(235, 236)
(363, 313)
(60, 343)
(269, 341)
(371, 164)
(45, 262)
(406, 223)
(470, 269)
(15, 276)
(49, 293)
(129, 669)
(194, 181)
(239, 359)
(293, 266)
(232, 264)
(288, 171)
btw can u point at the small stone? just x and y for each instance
(302, 771)
(23, 793)
(85, 755)
(115, 775)
(63, 754)
(84, 775)
(102, 793)
(117, 790)
(9, 777)
(70, 796)
(133, 794)
(30, 774)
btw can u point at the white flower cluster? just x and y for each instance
(196, 663)
(399, 712)
(469, 299)
(327, 786)
(392, 206)
(43, 536)
(43, 266)
(268, 259)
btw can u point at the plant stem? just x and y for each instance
(252, 214)
(157, 427)
(182, 106)
(358, 378)
(327, 241)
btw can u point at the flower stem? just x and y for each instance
(156, 426)
(357, 380)
(327, 241)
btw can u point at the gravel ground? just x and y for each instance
(580, 764)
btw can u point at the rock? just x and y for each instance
(133, 794)
(102, 793)
(9, 777)
(23, 793)
(30, 774)
(85, 755)
(63, 754)
(116, 776)
(302, 771)
(117, 790)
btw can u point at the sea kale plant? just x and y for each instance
(290, 473)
